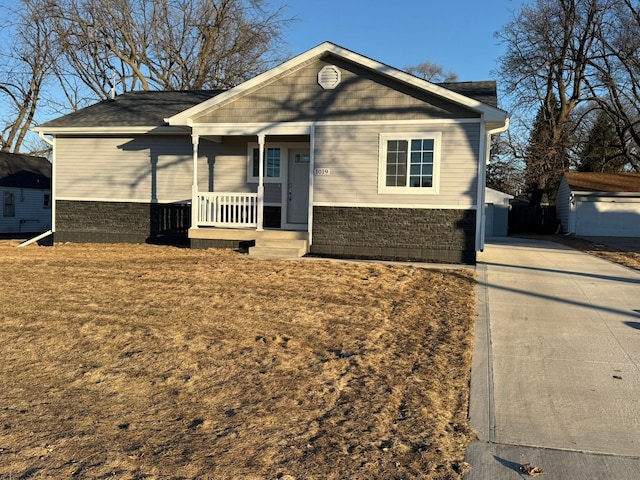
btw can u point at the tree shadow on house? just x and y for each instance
(169, 218)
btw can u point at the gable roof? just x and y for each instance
(603, 182)
(133, 109)
(152, 110)
(445, 91)
(24, 171)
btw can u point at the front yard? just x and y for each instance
(137, 361)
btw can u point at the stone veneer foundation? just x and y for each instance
(443, 236)
(122, 222)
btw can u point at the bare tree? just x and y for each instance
(549, 48)
(615, 82)
(27, 60)
(160, 44)
(432, 72)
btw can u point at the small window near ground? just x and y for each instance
(46, 202)
(9, 205)
(409, 163)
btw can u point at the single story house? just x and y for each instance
(599, 204)
(25, 193)
(331, 153)
(496, 213)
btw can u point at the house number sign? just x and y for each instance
(322, 171)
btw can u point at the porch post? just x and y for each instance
(261, 140)
(194, 188)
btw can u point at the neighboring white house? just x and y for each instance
(599, 204)
(496, 205)
(25, 194)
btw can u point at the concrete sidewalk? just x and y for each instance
(556, 369)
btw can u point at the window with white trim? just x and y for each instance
(409, 162)
(272, 164)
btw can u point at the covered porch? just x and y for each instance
(273, 204)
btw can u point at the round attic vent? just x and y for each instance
(329, 77)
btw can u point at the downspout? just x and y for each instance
(482, 181)
(53, 196)
(53, 178)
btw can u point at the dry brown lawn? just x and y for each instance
(148, 362)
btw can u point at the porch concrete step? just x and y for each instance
(279, 248)
(281, 242)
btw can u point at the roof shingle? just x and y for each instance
(134, 109)
(24, 171)
(603, 182)
(485, 92)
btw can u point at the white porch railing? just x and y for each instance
(226, 209)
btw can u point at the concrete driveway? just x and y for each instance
(556, 369)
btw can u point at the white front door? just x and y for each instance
(298, 187)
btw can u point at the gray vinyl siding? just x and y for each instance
(145, 168)
(121, 169)
(563, 205)
(351, 154)
(30, 214)
(361, 95)
(229, 169)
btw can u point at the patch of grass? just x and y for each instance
(138, 361)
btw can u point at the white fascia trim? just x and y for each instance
(585, 193)
(394, 205)
(608, 199)
(490, 113)
(222, 129)
(97, 131)
(123, 200)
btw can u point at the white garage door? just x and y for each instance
(608, 218)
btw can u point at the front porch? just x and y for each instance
(265, 194)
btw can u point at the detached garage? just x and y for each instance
(599, 204)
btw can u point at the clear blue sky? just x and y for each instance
(458, 35)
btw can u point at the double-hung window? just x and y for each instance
(409, 162)
(272, 163)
